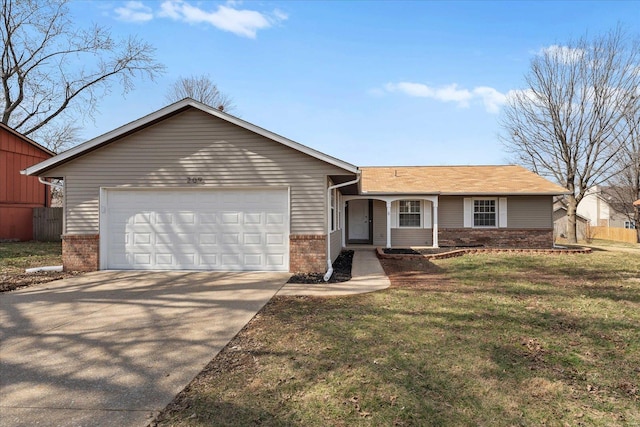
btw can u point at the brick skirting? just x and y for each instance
(80, 252)
(496, 237)
(307, 253)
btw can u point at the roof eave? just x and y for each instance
(26, 139)
(445, 193)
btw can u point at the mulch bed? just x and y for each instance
(423, 251)
(450, 252)
(17, 281)
(341, 271)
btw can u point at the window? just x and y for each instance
(630, 225)
(333, 210)
(409, 215)
(484, 213)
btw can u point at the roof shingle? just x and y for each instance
(456, 180)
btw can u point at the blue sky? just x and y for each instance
(372, 83)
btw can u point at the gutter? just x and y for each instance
(329, 272)
(52, 184)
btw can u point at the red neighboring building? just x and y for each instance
(19, 194)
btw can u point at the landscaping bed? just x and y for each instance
(341, 271)
(451, 252)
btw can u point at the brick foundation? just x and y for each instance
(81, 252)
(496, 237)
(307, 253)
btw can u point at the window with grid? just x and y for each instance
(484, 213)
(409, 213)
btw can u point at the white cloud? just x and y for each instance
(242, 22)
(491, 98)
(562, 53)
(134, 11)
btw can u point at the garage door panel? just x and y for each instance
(275, 219)
(210, 229)
(275, 260)
(252, 239)
(252, 218)
(208, 218)
(207, 238)
(275, 239)
(164, 259)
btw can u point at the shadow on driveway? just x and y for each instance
(113, 348)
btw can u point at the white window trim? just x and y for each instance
(334, 211)
(421, 213)
(501, 212)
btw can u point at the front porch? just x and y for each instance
(390, 221)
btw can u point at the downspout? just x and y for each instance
(58, 186)
(329, 272)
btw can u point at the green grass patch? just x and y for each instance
(16, 256)
(491, 339)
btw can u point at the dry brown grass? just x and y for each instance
(489, 340)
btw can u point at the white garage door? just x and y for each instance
(195, 230)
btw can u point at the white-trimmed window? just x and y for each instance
(333, 210)
(409, 214)
(485, 213)
(631, 225)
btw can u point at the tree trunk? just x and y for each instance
(572, 205)
(636, 217)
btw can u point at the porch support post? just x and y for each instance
(435, 223)
(344, 224)
(388, 224)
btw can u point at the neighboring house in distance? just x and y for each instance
(19, 194)
(191, 187)
(560, 224)
(600, 208)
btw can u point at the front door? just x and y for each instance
(359, 221)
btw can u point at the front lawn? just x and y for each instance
(15, 257)
(492, 339)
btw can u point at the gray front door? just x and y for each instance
(359, 219)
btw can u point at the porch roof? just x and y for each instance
(456, 180)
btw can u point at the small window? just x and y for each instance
(484, 213)
(630, 225)
(409, 215)
(333, 210)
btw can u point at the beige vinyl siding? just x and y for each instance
(530, 212)
(196, 144)
(450, 212)
(336, 244)
(379, 223)
(411, 237)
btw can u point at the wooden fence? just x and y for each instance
(614, 233)
(47, 224)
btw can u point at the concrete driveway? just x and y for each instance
(114, 348)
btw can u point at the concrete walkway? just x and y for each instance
(113, 348)
(367, 276)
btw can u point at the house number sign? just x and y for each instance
(195, 180)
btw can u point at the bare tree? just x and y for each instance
(624, 186)
(568, 122)
(50, 67)
(202, 89)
